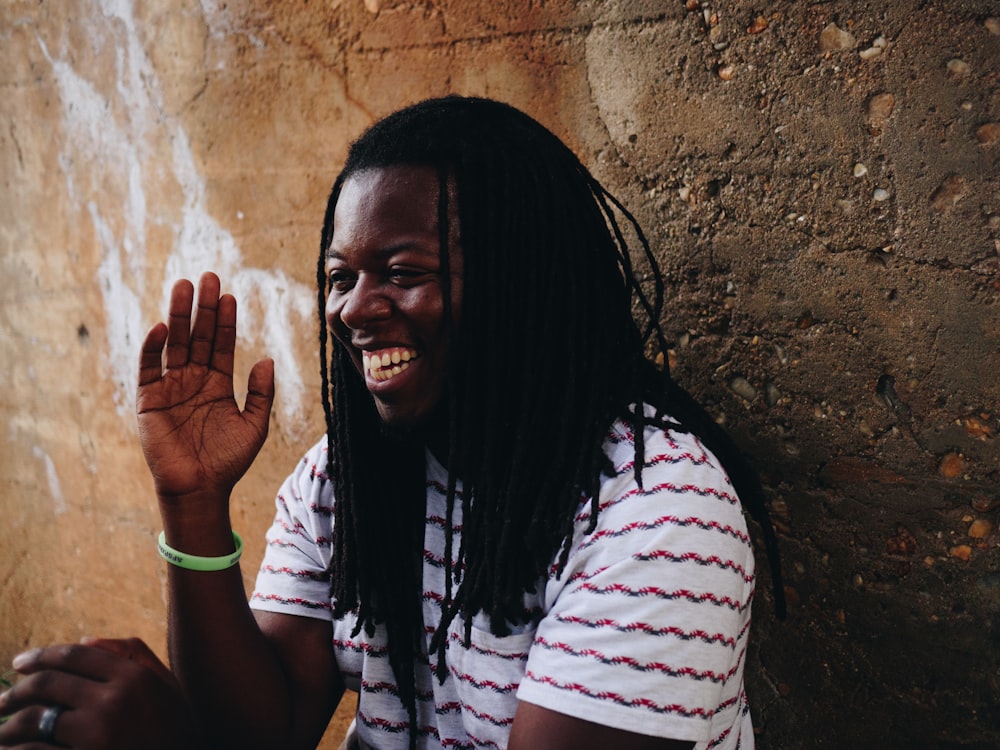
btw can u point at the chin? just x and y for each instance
(395, 418)
(416, 424)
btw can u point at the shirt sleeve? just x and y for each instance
(646, 628)
(293, 577)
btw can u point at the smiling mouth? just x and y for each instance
(386, 364)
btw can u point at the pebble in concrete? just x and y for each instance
(758, 25)
(985, 503)
(988, 134)
(948, 193)
(878, 46)
(958, 68)
(742, 388)
(951, 466)
(980, 529)
(771, 393)
(961, 552)
(881, 105)
(834, 39)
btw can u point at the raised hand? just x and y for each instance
(102, 695)
(196, 439)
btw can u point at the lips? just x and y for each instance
(384, 364)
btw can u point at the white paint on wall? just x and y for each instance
(222, 24)
(112, 159)
(204, 245)
(55, 488)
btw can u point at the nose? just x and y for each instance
(364, 304)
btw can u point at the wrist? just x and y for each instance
(197, 527)
(200, 499)
(201, 563)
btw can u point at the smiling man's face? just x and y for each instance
(386, 303)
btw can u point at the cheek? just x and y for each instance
(334, 304)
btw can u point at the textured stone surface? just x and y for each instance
(843, 323)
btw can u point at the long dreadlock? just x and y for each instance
(548, 286)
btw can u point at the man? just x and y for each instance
(516, 532)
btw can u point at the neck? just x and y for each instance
(435, 434)
(431, 431)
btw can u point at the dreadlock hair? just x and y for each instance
(548, 290)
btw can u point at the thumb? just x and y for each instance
(132, 649)
(260, 394)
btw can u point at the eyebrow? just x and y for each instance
(389, 250)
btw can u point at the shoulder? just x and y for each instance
(314, 462)
(310, 474)
(678, 516)
(294, 575)
(645, 624)
(678, 476)
(305, 501)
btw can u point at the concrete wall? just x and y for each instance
(824, 201)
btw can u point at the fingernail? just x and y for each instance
(22, 660)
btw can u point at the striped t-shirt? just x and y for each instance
(645, 630)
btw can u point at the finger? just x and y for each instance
(203, 330)
(260, 395)
(72, 658)
(122, 647)
(179, 323)
(22, 729)
(49, 687)
(224, 354)
(151, 358)
(134, 650)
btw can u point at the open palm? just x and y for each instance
(195, 438)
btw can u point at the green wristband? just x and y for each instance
(194, 562)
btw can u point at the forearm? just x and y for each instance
(228, 668)
(252, 686)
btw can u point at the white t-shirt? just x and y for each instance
(645, 630)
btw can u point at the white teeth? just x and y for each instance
(387, 364)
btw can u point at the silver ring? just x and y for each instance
(47, 724)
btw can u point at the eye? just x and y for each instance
(341, 280)
(409, 275)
